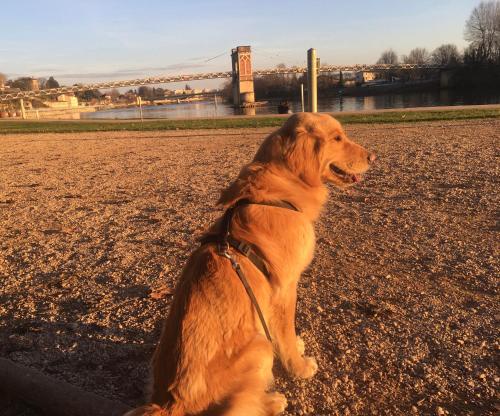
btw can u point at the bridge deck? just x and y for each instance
(200, 76)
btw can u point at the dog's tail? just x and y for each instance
(155, 410)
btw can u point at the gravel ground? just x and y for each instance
(400, 305)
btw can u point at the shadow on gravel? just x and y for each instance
(102, 356)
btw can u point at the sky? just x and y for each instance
(83, 41)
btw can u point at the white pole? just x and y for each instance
(302, 96)
(215, 115)
(139, 101)
(23, 111)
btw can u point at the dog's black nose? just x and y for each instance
(372, 157)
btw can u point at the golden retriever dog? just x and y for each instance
(213, 357)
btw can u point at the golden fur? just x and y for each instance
(213, 358)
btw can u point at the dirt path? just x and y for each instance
(400, 305)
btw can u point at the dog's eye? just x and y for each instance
(338, 138)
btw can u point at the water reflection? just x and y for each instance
(245, 111)
(207, 109)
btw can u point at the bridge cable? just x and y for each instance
(215, 57)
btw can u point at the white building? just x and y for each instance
(363, 77)
(63, 101)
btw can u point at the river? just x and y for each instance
(207, 109)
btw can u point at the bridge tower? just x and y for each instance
(243, 93)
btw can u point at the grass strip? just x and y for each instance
(77, 126)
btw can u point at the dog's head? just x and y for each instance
(316, 149)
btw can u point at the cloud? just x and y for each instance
(46, 69)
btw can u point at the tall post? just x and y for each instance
(23, 111)
(312, 81)
(302, 96)
(139, 102)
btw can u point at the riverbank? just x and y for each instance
(399, 305)
(406, 115)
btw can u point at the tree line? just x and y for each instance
(477, 65)
(25, 83)
(482, 31)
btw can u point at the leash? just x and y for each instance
(225, 241)
(251, 295)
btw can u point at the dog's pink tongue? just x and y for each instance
(355, 178)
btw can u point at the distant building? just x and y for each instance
(363, 77)
(187, 92)
(33, 84)
(63, 101)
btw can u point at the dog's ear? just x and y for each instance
(304, 156)
(298, 148)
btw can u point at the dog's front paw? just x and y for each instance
(307, 369)
(276, 403)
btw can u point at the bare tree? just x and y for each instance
(51, 83)
(388, 57)
(145, 92)
(446, 55)
(89, 95)
(41, 82)
(483, 31)
(419, 56)
(23, 83)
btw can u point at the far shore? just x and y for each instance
(404, 115)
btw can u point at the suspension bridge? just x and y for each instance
(201, 76)
(241, 74)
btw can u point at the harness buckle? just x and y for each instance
(224, 249)
(244, 248)
(234, 263)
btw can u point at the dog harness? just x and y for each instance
(225, 240)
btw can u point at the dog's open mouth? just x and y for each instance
(344, 176)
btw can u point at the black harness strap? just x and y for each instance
(247, 250)
(226, 240)
(242, 246)
(248, 288)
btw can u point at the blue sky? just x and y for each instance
(91, 40)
